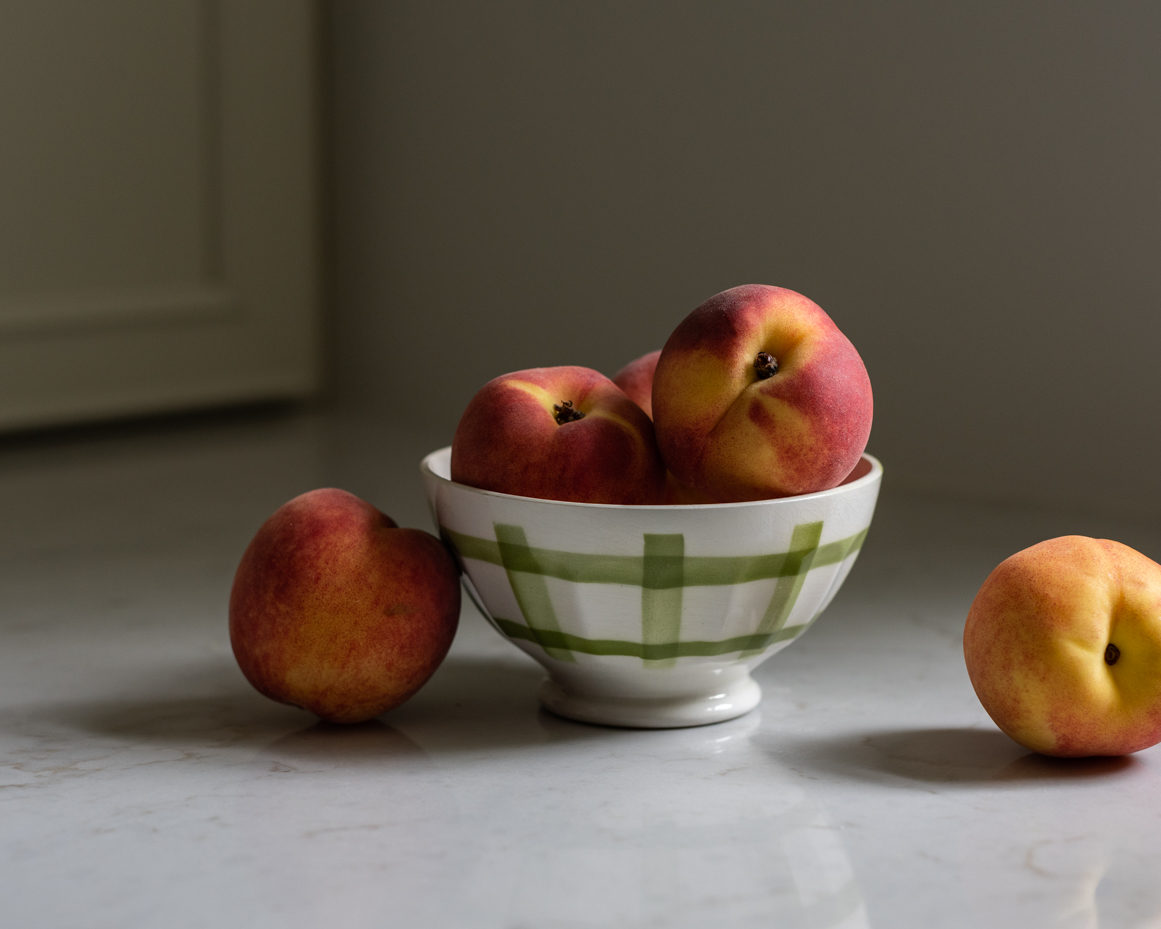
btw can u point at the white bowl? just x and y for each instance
(651, 616)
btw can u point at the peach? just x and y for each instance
(337, 610)
(636, 379)
(758, 394)
(1063, 647)
(566, 433)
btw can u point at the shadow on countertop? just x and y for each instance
(208, 709)
(941, 757)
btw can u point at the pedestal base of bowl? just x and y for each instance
(671, 712)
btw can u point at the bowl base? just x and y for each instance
(738, 698)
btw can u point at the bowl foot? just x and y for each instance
(738, 698)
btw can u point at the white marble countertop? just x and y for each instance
(143, 783)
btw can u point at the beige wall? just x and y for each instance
(972, 190)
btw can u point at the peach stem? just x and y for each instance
(564, 413)
(765, 365)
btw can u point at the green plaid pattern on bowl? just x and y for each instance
(663, 571)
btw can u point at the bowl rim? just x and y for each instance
(871, 477)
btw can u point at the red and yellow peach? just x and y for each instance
(1063, 647)
(337, 610)
(758, 394)
(566, 433)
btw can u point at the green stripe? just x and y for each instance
(662, 580)
(659, 651)
(804, 539)
(530, 588)
(698, 570)
(834, 552)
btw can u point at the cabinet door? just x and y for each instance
(159, 205)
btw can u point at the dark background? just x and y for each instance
(971, 190)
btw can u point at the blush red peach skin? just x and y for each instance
(509, 440)
(337, 610)
(732, 436)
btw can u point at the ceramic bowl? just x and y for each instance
(651, 616)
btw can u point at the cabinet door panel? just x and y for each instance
(158, 205)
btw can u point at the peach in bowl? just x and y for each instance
(651, 616)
